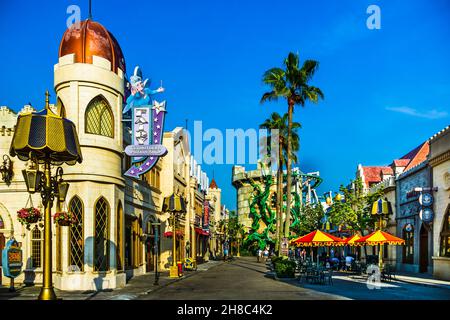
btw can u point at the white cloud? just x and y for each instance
(429, 114)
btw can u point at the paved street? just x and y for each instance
(244, 278)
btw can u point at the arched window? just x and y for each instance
(99, 118)
(119, 231)
(76, 236)
(36, 247)
(408, 248)
(101, 235)
(445, 235)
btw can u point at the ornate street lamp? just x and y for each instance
(6, 169)
(176, 205)
(382, 208)
(48, 139)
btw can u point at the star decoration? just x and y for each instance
(159, 106)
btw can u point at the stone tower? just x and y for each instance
(89, 86)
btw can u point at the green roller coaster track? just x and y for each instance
(260, 210)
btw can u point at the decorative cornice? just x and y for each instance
(445, 156)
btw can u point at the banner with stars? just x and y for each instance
(147, 130)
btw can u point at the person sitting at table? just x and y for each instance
(348, 262)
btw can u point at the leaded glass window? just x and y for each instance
(76, 237)
(99, 118)
(445, 236)
(101, 236)
(36, 247)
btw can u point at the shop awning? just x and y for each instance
(201, 232)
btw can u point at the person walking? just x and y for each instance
(258, 255)
(225, 251)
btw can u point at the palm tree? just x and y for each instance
(291, 84)
(280, 123)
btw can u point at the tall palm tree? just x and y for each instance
(280, 123)
(291, 84)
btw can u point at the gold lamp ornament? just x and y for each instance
(46, 138)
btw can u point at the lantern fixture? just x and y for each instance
(61, 186)
(33, 179)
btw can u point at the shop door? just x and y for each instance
(128, 245)
(423, 249)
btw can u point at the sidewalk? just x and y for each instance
(422, 279)
(136, 286)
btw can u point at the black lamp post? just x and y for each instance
(48, 139)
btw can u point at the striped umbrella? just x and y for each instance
(379, 237)
(318, 238)
(174, 203)
(351, 240)
(381, 207)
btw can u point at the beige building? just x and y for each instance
(439, 160)
(108, 244)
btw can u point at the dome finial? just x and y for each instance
(47, 100)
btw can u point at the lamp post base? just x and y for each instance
(47, 294)
(173, 272)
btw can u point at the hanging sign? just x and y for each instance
(426, 199)
(284, 248)
(426, 215)
(12, 259)
(147, 125)
(206, 215)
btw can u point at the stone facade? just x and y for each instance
(440, 164)
(408, 209)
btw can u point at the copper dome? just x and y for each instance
(91, 38)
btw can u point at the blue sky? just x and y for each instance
(386, 90)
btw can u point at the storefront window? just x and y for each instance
(408, 248)
(101, 236)
(445, 236)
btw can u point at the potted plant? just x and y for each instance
(64, 218)
(284, 268)
(27, 216)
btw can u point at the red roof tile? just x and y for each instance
(401, 162)
(213, 184)
(420, 155)
(373, 174)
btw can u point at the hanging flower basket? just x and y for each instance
(28, 216)
(64, 218)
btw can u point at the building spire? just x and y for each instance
(90, 10)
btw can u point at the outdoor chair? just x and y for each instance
(303, 273)
(327, 276)
(387, 274)
(312, 276)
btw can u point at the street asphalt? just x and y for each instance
(245, 279)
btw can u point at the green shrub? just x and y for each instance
(284, 268)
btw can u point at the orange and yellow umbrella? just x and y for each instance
(379, 237)
(317, 238)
